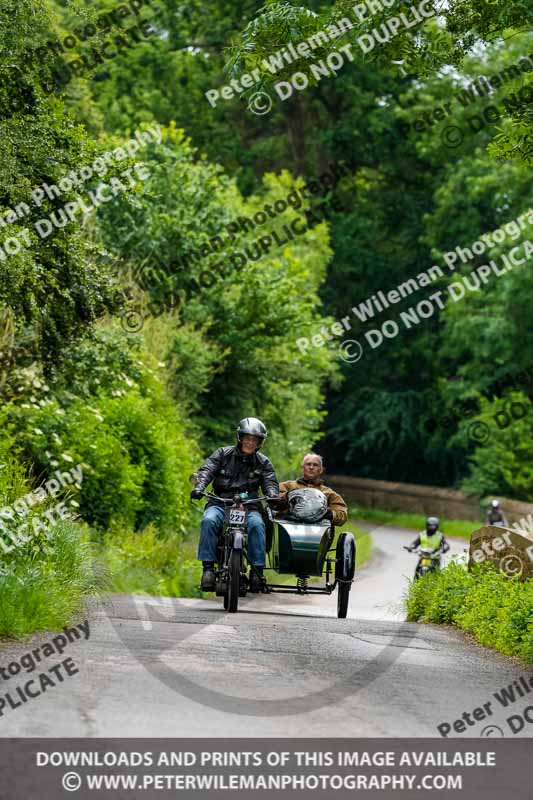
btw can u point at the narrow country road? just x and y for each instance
(283, 666)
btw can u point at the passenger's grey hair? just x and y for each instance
(313, 455)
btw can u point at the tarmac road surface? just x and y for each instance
(282, 666)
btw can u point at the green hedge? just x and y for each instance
(127, 433)
(496, 610)
(43, 581)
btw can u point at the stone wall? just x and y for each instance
(417, 499)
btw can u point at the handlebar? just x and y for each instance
(421, 552)
(229, 501)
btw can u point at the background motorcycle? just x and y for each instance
(428, 561)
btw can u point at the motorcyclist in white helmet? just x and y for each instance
(495, 515)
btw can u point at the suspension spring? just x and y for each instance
(302, 582)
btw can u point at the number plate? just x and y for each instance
(237, 517)
(426, 562)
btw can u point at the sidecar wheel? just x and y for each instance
(344, 571)
(343, 598)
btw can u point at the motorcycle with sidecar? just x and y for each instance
(293, 548)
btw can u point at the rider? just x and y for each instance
(431, 538)
(313, 468)
(233, 470)
(495, 515)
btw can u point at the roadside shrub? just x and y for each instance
(497, 611)
(135, 453)
(439, 596)
(151, 564)
(500, 613)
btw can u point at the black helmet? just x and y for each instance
(251, 426)
(432, 524)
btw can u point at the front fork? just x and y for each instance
(234, 539)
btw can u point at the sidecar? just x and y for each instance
(305, 551)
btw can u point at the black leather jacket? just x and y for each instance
(230, 472)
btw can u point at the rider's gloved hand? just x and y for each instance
(196, 494)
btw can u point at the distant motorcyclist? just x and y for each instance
(313, 468)
(495, 515)
(431, 539)
(234, 470)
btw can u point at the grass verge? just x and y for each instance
(45, 591)
(461, 528)
(363, 550)
(149, 563)
(497, 611)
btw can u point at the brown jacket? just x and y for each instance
(335, 502)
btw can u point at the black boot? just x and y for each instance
(257, 580)
(208, 578)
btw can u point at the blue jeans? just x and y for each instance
(212, 522)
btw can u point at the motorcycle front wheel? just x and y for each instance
(231, 597)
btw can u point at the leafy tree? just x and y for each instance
(51, 284)
(235, 332)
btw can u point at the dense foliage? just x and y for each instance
(140, 404)
(495, 610)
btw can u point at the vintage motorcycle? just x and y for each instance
(293, 548)
(428, 560)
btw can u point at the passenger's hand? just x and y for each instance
(196, 494)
